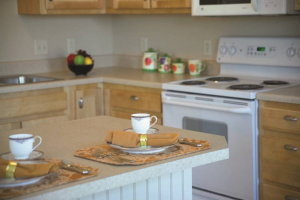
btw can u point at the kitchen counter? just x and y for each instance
(63, 139)
(285, 95)
(118, 75)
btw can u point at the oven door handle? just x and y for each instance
(239, 110)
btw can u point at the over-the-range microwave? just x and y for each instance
(244, 7)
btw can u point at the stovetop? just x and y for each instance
(235, 87)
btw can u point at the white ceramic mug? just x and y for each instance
(21, 145)
(196, 67)
(141, 122)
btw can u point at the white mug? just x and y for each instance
(21, 145)
(141, 122)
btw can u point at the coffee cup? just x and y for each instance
(141, 122)
(196, 67)
(21, 145)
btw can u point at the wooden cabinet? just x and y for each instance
(131, 4)
(279, 150)
(122, 101)
(148, 6)
(87, 101)
(25, 109)
(61, 7)
(297, 4)
(171, 4)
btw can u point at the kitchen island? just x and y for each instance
(167, 179)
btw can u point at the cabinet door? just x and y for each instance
(9, 126)
(87, 103)
(171, 3)
(297, 4)
(131, 4)
(74, 4)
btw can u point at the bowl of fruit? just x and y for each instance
(80, 64)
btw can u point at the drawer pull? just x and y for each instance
(80, 103)
(290, 198)
(291, 148)
(290, 118)
(135, 98)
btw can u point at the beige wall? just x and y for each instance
(17, 33)
(183, 35)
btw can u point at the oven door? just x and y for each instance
(224, 7)
(235, 177)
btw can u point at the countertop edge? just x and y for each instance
(127, 178)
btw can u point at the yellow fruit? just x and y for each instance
(88, 61)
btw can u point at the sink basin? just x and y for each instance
(24, 79)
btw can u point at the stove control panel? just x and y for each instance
(260, 51)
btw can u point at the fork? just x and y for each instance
(99, 154)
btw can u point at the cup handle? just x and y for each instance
(38, 143)
(154, 122)
(204, 67)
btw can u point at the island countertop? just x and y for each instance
(63, 139)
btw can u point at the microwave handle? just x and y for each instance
(240, 110)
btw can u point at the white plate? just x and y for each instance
(140, 150)
(150, 131)
(10, 182)
(33, 155)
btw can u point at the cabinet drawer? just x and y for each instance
(136, 100)
(281, 120)
(281, 161)
(277, 193)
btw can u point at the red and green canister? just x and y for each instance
(150, 60)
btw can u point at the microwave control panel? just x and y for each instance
(260, 51)
(273, 7)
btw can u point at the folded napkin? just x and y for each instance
(28, 170)
(129, 139)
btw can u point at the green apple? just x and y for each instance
(79, 60)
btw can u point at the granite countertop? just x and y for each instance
(118, 75)
(63, 139)
(285, 95)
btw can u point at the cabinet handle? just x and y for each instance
(290, 118)
(135, 98)
(80, 103)
(290, 198)
(291, 148)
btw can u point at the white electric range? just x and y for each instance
(226, 105)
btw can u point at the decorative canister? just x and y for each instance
(150, 60)
(178, 67)
(165, 64)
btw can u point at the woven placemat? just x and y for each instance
(58, 178)
(140, 159)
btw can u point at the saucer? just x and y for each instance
(32, 156)
(150, 131)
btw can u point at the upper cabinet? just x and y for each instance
(131, 4)
(52, 7)
(148, 6)
(74, 4)
(297, 4)
(49, 7)
(171, 4)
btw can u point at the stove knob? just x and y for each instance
(232, 50)
(223, 50)
(290, 52)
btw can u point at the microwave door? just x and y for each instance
(224, 7)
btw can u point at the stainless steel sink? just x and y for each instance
(24, 79)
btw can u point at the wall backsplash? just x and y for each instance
(183, 36)
(116, 39)
(18, 32)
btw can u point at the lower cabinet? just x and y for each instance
(279, 151)
(46, 106)
(121, 101)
